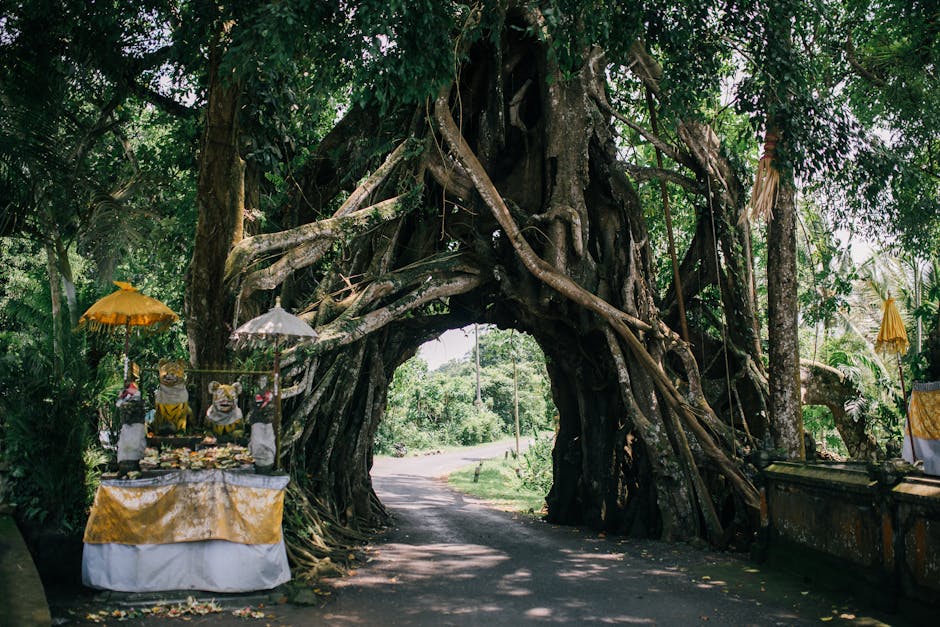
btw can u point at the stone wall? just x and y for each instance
(855, 527)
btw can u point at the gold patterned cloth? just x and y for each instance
(924, 411)
(189, 506)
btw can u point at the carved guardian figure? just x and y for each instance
(224, 416)
(171, 399)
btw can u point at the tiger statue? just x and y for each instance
(171, 399)
(224, 416)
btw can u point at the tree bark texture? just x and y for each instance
(220, 197)
(505, 202)
(786, 413)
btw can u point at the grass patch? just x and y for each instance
(499, 485)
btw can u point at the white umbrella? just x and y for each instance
(280, 326)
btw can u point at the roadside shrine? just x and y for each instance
(196, 502)
(191, 510)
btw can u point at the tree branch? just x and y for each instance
(642, 174)
(340, 332)
(348, 216)
(668, 150)
(250, 248)
(309, 242)
(856, 65)
(159, 100)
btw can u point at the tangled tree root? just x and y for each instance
(318, 545)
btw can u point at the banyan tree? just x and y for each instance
(522, 171)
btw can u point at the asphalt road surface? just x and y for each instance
(449, 559)
(452, 560)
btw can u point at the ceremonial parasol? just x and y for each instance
(892, 338)
(280, 326)
(127, 307)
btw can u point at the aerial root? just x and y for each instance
(318, 545)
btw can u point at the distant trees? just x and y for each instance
(428, 409)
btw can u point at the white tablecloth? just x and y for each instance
(210, 564)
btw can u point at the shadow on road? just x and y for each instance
(450, 560)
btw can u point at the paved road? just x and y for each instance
(452, 560)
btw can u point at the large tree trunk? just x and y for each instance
(220, 197)
(786, 413)
(507, 204)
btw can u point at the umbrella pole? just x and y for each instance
(907, 417)
(277, 402)
(127, 348)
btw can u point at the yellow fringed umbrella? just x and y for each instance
(892, 338)
(127, 308)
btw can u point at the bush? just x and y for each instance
(47, 431)
(399, 430)
(482, 425)
(536, 464)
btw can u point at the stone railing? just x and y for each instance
(856, 527)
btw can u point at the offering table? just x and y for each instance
(214, 530)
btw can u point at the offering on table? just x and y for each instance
(224, 457)
(224, 416)
(171, 399)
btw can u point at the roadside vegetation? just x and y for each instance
(511, 483)
(433, 409)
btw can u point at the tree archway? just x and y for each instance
(505, 200)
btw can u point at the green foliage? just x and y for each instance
(47, 417)
(889, 51)
(827, 271)
(536, 464)
(880, 403)
(818, 421)
(478, 425)
(429, 409)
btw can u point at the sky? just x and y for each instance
(450, 345)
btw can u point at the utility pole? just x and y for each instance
(515, 393)
(476, 339)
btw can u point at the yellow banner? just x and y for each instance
(925, 414)
(185, 511)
